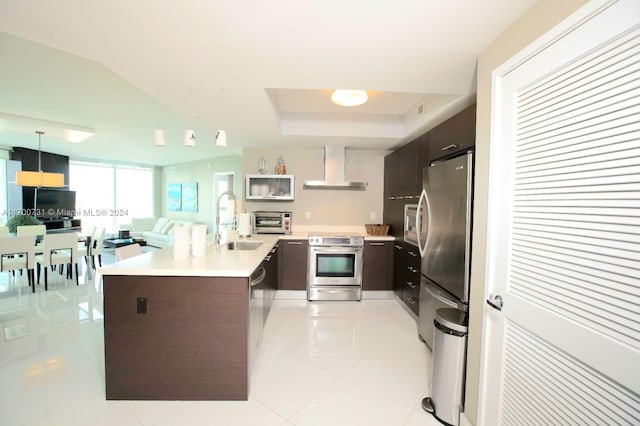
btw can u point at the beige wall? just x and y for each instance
(327, 207)
(543, 16)
(201, 172)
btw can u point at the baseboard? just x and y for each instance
(302, 294)
(291, 294)
(377, 294)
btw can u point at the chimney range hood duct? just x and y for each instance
(334, 172)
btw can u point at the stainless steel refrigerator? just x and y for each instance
(444, 238)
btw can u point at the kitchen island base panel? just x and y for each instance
(191, 344)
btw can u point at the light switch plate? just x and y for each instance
(307, 215)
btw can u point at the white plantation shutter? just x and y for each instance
(575, 236)
(576, 220)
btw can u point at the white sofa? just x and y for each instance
(156, 232)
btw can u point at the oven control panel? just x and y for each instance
(345, 241)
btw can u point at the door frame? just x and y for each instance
(490, 380)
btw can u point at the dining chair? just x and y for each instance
(31, 230)
(125, 252)
(97, 245)
(58, 249)
(96, 242)
(18, 253)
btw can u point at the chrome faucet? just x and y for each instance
(233, 225)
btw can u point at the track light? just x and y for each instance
(158, 137)
(221, 138)
(189, 138)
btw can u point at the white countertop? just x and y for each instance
(217, 261)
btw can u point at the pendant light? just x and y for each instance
(39, 179)
(158, 137)
(221, 138)
(189, 138)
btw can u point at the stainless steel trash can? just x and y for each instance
(449, 358)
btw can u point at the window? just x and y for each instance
(3, 191)
(109, 195)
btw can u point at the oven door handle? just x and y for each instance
(335, 250)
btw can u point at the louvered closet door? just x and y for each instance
(564, 229)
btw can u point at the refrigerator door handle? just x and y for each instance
(421, 245)
(439, 296)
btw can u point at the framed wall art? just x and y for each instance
(174, 191)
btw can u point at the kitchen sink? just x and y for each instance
(244, 245)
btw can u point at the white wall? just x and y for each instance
(201, 172)
(543, 16)
(327, 207)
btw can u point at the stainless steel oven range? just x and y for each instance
(335, 267)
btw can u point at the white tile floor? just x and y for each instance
(329, 363)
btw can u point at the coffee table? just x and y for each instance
(120, 242)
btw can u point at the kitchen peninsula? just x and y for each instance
(185, 329)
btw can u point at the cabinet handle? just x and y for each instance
(410, 284)
(412, 253)
(412, 269)
(376, 244)
(398, 247)
(453, 145)
(411, 300)
(294, 243)
(392, 198)
(267, 258)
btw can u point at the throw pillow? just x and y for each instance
(159, 224)
(167, 227)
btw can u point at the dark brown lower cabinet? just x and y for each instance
(406, 274)
(377, 271)
(176, 338)
(293, 261)
(271, 265)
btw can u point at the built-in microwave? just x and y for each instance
(270, 222)
(410, 229)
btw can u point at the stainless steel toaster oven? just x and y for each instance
(269, 222)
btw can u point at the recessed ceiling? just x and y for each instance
(262, 71)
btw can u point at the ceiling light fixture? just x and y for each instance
(158, 137)
(221, 138)
(189, 138)
(39, 179)
(349, 98)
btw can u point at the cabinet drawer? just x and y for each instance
(456, 134)
(411, 299)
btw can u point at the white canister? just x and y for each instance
(181, 241)
(244, 225)
(198, 240)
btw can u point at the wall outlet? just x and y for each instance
(307, 215)
(141, 305)
(372, 216)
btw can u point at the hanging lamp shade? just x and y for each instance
(39, 178)
(221, 138)
(189, 138)
(158, 137)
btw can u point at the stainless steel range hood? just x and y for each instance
(334, 172)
